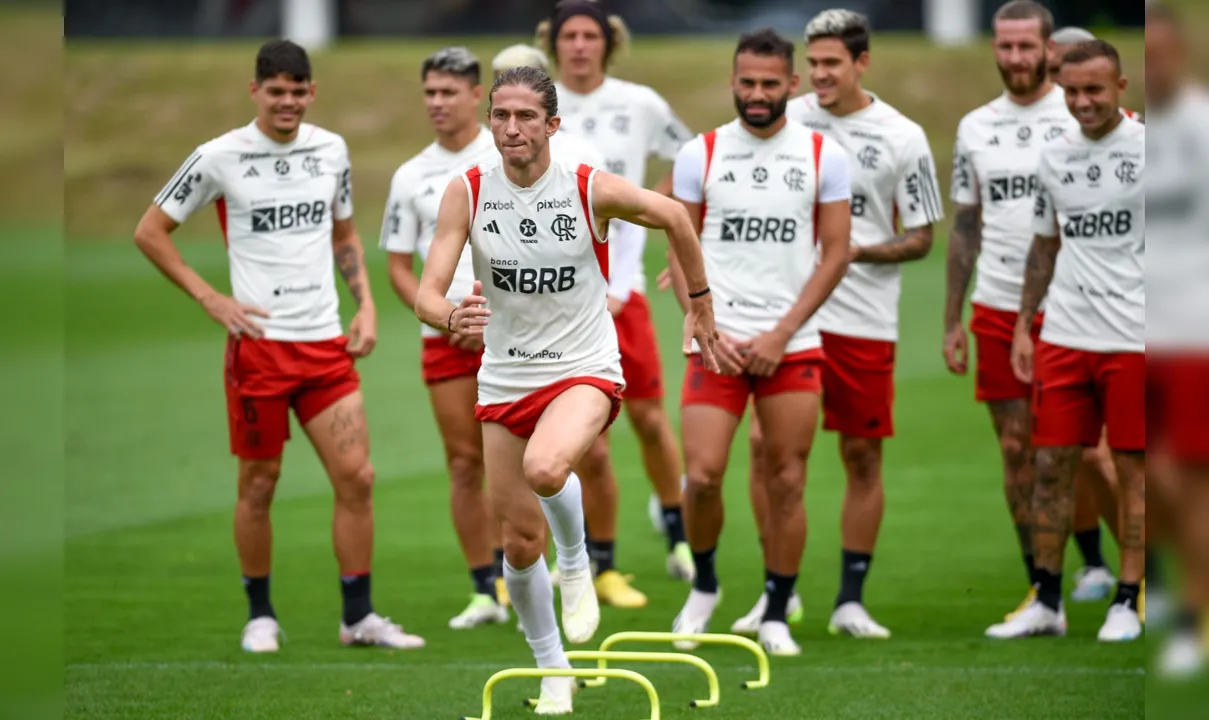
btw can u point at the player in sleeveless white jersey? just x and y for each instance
(772, 198)
(449, 363)
(551, 376)
(1177, 334)
(628, 123)
(993, 186)
(1088, 254)
(283, 194)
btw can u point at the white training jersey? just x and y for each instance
(415, 200)
(995, 166)
(627, 123)
(1177, 223)
(276, 203)
(1091, 192)
(758, 231)
(893, 177)
(548, 271)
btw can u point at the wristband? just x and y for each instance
(699, 293)
(449, 324)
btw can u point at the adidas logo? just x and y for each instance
(728, 177)
(251, 172)
(492, 227)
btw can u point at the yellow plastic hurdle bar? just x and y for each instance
(700, 638)
(615, 673)
(602, 658)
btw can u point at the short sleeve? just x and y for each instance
(668, 132)
(1045, 218)
(963, 188)
(194, 185)
(688, 172)
(835, 181)
(343, 206)
(917, 191)
(400, 224)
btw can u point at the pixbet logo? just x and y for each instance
(493, 205)
(563, 204)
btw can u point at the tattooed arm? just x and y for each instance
(350, 259)
(1038, 273)
(965, 244)
(914, 244)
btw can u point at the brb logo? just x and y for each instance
(758, 229)
(507, 276)
(1105, 223)
(1013, 187)
(287, 217)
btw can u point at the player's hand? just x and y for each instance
(363, 332)
(765, 351)
(732, 354)
(615, 305)
(699, 325)
(470, 317)
(234, 315)
(957, 350)
(469, 343)
(665, 278)
(1022, 357)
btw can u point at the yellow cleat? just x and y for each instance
(1028, 600)
(614, 589)
(501, 592)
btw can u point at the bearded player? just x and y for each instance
(551, 377)
(284, 200)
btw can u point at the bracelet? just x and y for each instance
(699, 293)
(449, 324)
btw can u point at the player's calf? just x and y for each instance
(254, 541)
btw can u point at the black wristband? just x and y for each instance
(449, 323)
(699, 293)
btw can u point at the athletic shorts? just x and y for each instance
(639, 348)
(1077, 393)
(521, 416)
(1177, 404)
(265, 378)
(858, 386)
(800, 372)
(441, 361)
(993, 332)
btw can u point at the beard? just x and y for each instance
(775, 110)
(1036, 77)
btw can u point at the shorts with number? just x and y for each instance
(521, 416)
(993, 331)
(858, 386)
(800, 372)
(1177, 404)
(1077, 393)
(441, 361)
(265, 378)
(639, 348)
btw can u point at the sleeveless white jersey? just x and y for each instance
(545, 277)
(627, 123)
(1177, 223)
(995, 166)
(415, 200)
(276, 203)
(1091, 192)
(758, 232)
(893, 177)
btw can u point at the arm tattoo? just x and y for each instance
(965, 243)
(348, 259)
(1038, 273)
(914, 244)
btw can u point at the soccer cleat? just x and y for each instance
(501, 592)
(375, 630)
(853, 619)
(776, 640)
(694, 617)
(261, 635)
(1092, 584)
(482, 610)
(556, 696)
(654, 510)
(1121, 625)
(749, 624)
(1183, 656)
(1028, 601)
(613, 589)
(680, 563)
(1036, 619)
(581, 608)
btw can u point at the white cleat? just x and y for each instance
(1121, 625)
(776, 640)
(749, 624)
(1183, 656)
(853, 619)
(581, 608)
(482, 610)
(375, 630)
(261, 635)
(680, 563)
(556, 696)
(694, 616)
(1092, 584)
(1036, 619)
(654, 510)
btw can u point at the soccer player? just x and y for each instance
(994, 182)
(284, 200)
(551, 376)
(449, 363)
(772, 200)
(1089, 369)
(1065, 39)
(628, 123)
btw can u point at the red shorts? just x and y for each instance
(265, 378)
(1177, 404)
(993, 333)
(858, 386)
(441, 361)
(521, 416)
(639, 350)
(798, 372)
(1077, 393)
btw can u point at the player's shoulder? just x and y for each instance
(320, 140)
(985, 115)
(895, 124)
(802, 106)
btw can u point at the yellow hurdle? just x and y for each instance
(602, 658)
(573, 672)
(701, 638)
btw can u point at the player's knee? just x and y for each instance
(356, 487)
(863, 460)
(650, 423)
(703, 483)
(258, 483)
(522, 546)
(1015, 450)
(786, 482)
(466, 468)
(545, 473)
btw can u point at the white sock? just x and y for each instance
(683, 483)
(565, 513)
(533, 599)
